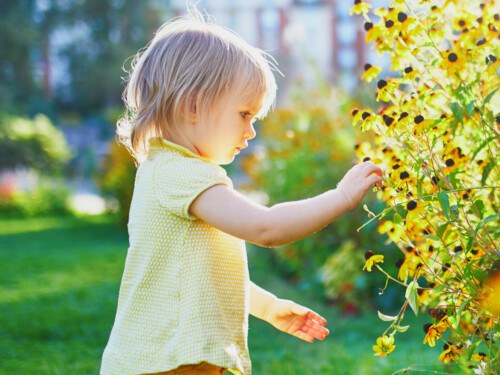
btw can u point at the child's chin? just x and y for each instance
(226, 161)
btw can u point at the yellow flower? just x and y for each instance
(385, 345)
(452, 61)
(493, 64)
(360, 115)
(415, 208)
(387, 88)
(410, 74)
(371, 259)
(492, 301)
(434, 332)
(409, 266)
(372, 32)
(371, 72)
(360, 7)
(395, 232)
(480, 357)
(451, 353)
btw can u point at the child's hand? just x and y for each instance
(358, 180)
(289, 317)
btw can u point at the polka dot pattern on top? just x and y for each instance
(184, 296)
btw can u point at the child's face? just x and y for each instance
(221, 140)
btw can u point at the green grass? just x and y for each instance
(59, 286)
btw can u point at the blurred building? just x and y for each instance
(310, 40)
(302, 35)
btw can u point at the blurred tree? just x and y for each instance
(18, 37)
(99, 37)
(116, 180)
(114, 31)
(33, 143)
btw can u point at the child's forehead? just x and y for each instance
(251, 100)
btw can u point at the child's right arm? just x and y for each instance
(233, 213)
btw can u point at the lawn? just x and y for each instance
(59, 285)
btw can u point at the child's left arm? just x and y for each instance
(287, 316)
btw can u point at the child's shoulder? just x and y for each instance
(169, 157)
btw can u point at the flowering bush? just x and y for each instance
(437, 133)
(116, 179)
(34, 143)
(49, 197)
(302, 151)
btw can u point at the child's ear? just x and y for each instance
(192, 111)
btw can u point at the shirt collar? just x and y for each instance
(163, 143)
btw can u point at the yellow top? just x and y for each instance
(184, 296)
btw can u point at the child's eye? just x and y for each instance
(244, 115)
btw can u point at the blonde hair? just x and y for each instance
(190, 63)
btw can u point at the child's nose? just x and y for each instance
(249, 132)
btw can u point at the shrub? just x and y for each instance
(116, 180)
(49, 197)
(303, 151)
(437, 134)
(33, 143)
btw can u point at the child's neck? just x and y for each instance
(184, 141)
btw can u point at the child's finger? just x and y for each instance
(372, 168)
(316, 317)
(301, 310)
(304, 336)
(318, 335)
(374, 179)
(316, 327)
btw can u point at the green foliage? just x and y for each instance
(342, 278)
(116, 180)
(303, 151)
(50, 197)
(33, 143)
(102, 35)
(60, 289)
(18, 37)
(436, 131)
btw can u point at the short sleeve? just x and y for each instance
(178, 181)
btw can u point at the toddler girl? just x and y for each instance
(185, 295)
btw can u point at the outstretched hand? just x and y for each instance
(296, 320)
(358, 180)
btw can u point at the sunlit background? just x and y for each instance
(65, 183)
(63, 59)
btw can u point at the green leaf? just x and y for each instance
(432, 237)
(454, 181)
(419, 186)
(436, 290)
(470, 242)
(480, 206)
(386, 318)
(457, 111)
(412, 296)
(454, 210)
(459, 313)
(486, 220)
(486, 171)
(365, 207)
(470, 107)
(432, 260)
(473, 349)
(401, 328)
(397, 219)
(481, 146)
(490, 95)
(441, 229)
(444, 201)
